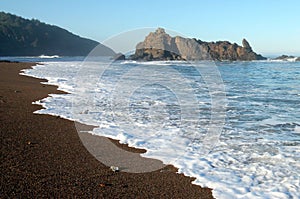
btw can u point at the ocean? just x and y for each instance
(234, 126)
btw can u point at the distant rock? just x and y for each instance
(119, 56)
(287, 58)
(23, 37)
(284, 57)
(159, 45)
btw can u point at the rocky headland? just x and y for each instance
(24, 37)
(159, 45)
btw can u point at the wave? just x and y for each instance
(154, 62)
(169, 63)
(293, 59)
(48, 56)
(251, 158)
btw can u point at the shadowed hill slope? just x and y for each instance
(23, 37)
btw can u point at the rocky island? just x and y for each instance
(159, 45)
(287, 58)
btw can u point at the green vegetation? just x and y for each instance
(23, 37)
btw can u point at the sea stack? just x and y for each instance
(159, 45)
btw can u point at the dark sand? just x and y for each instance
(43, 156)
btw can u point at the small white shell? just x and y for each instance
(114, 169)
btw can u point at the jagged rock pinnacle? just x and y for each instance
(160, 31)
(246, 44)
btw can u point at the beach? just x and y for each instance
(42, 155)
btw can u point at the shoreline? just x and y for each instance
(42, 155)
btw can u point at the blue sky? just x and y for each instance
(271, 26)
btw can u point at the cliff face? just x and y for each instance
(159, 45)
(23, 37)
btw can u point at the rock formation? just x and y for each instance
(284, 57)
(246, 45)
(287, 58)
(159, 45)
(118, 57)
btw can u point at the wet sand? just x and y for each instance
(43, 156)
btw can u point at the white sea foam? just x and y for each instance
(258, 155)
(48, 56)
(297, 129)
(291, 59)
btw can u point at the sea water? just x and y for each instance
(257, 154)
